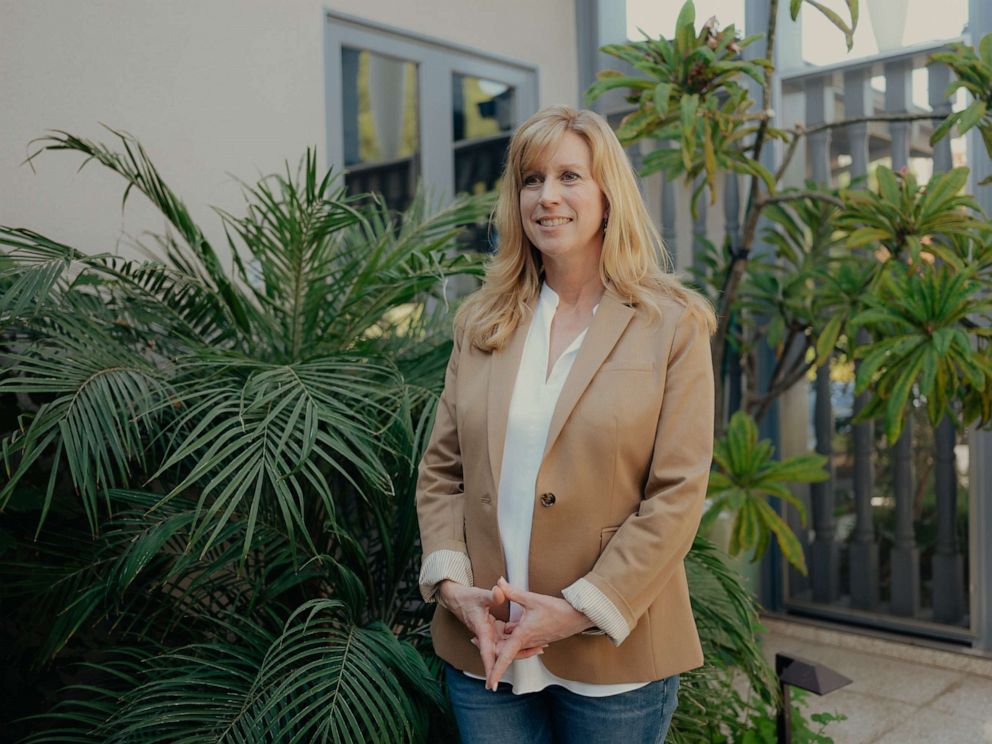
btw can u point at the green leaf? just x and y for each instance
(971, 116)
(688, 108)
(685, 35)
(836, 20)
(944, 127)
(867, 236)
(662, 93)
(786, 538)
(888, 185)
(611, 82)
(852, 8)
(709, 160)
(985, 49)
(827, 339)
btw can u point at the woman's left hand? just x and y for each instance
(544, 620)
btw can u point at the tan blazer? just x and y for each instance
(619, 494)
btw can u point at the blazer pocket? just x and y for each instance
(605, 536)
(628, 365)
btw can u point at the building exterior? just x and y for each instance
(229, 89)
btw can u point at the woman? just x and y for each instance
(564, 480)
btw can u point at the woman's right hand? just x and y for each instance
(473, 607)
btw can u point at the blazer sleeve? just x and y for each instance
(440, 493)
(651, 544)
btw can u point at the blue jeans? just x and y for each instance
(556, 716)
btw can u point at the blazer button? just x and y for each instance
(548, 499)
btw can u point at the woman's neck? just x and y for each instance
(578, 287)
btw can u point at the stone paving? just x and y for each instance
(900, 694)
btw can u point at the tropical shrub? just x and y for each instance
(746, 472)
(219, 468)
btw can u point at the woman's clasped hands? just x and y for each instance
(544, 620)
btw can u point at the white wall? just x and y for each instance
(214, 89)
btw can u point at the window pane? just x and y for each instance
(381, 131)
(481, 108)
(483, 112)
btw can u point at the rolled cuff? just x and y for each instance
(590, 601)
(441, 565)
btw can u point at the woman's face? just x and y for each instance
(561, 206)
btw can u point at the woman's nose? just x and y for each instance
(549, 192)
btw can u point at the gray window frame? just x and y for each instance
(437, 61)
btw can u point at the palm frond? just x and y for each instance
(106, 397)
(321, 679)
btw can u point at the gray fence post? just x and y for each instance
(825, 563)
(863, 551)
(905, 558)
(948, 566)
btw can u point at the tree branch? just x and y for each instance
(763, 402)
(790, 151)
(800, 130)
(796, 195)
(741, 251)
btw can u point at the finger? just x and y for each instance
(508, 653)
(508, 627)
(499, 597)
(487, 650)
(511, 592)
(528, 652)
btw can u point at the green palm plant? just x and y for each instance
(268, 376)
(267, 420)
(903, 216)
(318, 679)
(746, 474)
(925, 320)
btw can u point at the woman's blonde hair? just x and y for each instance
(634, 261)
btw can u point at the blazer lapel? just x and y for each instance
(503, 368)
(605, 330)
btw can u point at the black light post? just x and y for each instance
(807, 675)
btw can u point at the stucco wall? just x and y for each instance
(213, 88)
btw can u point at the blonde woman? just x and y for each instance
(565, 476)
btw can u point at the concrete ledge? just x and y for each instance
(917, 651)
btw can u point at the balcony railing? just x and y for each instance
(889, 531)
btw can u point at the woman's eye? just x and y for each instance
(569, 176)
(531, 180)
